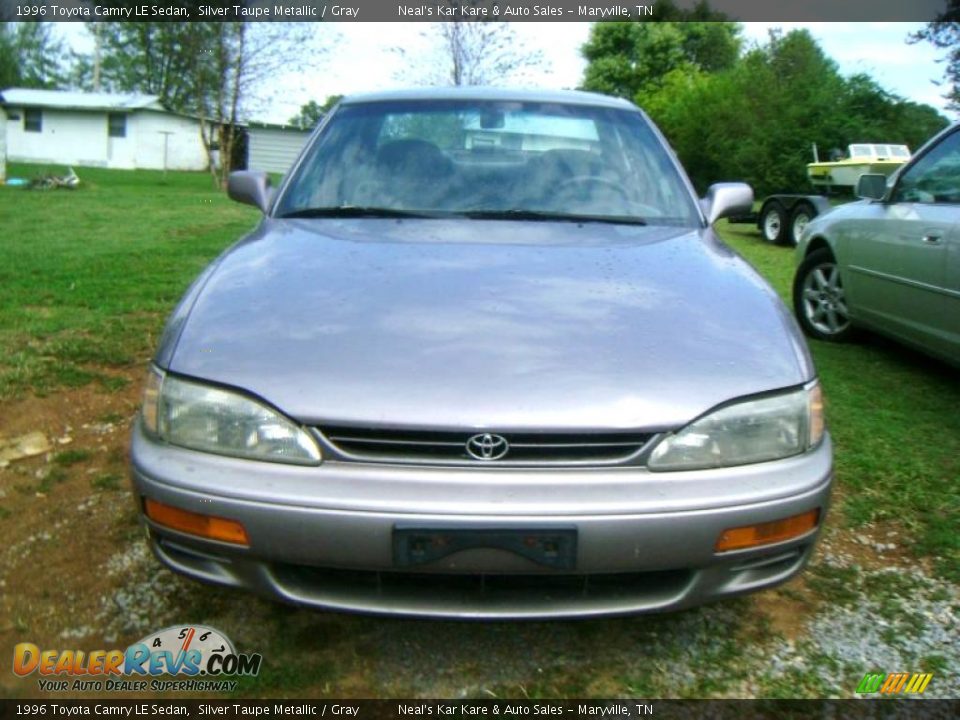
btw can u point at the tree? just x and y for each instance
(311, 113)
(30, 56)
(871, 113)
(210, 70)
(757, 120)
(473, 53)
(481, 53)
(167, 59)
(629, 58)
(944, 34)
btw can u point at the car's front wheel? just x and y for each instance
(819, 300)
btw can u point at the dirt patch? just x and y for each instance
(787, 609)
(62, 511)
(64, 413)
(874, 546)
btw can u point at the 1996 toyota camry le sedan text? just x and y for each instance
(483, 357)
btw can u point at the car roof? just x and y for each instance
(575, 97)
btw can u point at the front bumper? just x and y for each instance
(323, 536)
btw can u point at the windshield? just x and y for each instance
(489, 159)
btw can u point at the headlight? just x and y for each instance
(210, 419)
(752, 431)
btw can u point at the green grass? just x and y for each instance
(107, 481)
(894, 422)
(54, 476)
(72, 457)
(88, 276)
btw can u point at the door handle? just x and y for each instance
(933, 238)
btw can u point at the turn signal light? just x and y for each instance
(205, 526)
(768, 533)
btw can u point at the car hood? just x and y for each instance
(485, 324)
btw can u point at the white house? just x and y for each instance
(273, 148)
(100, 130)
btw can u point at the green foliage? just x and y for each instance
(311, 113)
(172, 60)
(631, 57)
(29, 56)
(755, 118)
(944, 33)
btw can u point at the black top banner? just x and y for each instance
(625, 709)
(461, 10)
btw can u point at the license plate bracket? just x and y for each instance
(554, 547)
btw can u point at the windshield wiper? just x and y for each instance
(354, 211)
(518, 214)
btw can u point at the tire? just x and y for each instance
(773, 223)
(803, 213)
(818, 298)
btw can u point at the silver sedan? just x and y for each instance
(890, 263)
(483, 357)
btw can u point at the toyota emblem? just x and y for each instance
(487, 446)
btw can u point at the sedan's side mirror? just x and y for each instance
(726, 199)
(872, 186)
(251, 187)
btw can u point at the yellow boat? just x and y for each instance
(862, 158)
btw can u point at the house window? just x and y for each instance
(33, 120)
(117, 124)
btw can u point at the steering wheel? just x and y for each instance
(578, 185)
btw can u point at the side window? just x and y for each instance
(33, 120)
(117, 125)
(935, 178)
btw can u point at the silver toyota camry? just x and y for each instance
(483, 357)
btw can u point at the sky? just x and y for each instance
(367, 56)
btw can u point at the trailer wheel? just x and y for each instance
(802, 214)
(773, 223)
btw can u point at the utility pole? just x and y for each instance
(166, 137)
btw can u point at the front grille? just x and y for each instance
(450, 447)
(482, 593)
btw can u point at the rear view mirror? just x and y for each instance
(726, 199)
(492, 120)
(872, 186)
(251, 187)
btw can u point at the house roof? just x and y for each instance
(78, 100)
(254, 125)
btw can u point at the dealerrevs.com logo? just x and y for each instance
(191, 651)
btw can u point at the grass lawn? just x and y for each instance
(86, 280)
(87, 276)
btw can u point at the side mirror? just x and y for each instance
(251, 187)
(726, 199)
(872, 186)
